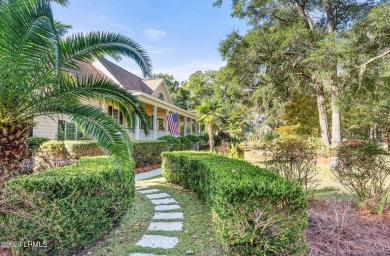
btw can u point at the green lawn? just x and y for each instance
(198, 235)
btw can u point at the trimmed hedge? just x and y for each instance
(148, 152)
(257, 212)
(78, 149)
(67, 208)
(34, 143)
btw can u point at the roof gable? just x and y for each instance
(128, 80)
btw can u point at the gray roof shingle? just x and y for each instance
(128, 80)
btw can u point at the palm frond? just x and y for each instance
(108, 132)
(86, 47)
(87, 88)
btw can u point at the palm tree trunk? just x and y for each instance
(211, 137)
(13, 150)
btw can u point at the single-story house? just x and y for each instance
(153, 95)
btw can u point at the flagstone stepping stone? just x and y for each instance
(157, 196)
(149, 191)
(141, 188)
(168, 215)
(144, 254)
(164, 201)
(166, 207)
(165, 226)
(155, 241)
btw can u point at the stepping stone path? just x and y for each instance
(162, 221)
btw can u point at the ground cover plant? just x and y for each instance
(256, 211)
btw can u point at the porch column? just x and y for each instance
(155, 122)
(166, 121)
(102, 105)
(191, 126)
(185, 126)
(136, 125)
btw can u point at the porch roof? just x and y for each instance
(148, 99)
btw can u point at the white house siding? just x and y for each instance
(46, 126)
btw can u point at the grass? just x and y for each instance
(198, 235)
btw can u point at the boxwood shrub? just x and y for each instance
(148, 152)
(65, 209)
(81, 148)
(256, 211)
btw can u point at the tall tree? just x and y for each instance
(300, 37)
(36, 58)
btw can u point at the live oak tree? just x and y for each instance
(293, 44)
(36, 59)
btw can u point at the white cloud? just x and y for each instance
(154, 34)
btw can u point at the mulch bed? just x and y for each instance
(147, 168)
(336, 228)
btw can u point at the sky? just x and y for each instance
(180, 36)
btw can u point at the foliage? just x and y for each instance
(148, 152)
(51, 154)
(193, 138)
(269, 136)
(40, 76)
(364, 171)
(35, 142)
(67, 208)
(291, 56)
(235, 191)
(205, 140)
(185, 143)
(235, 152)
(173, 143)
(78, 149)
(296, 159)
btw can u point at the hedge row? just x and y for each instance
(78, 149)
(148, 152)
(256, 211)
(65, 209)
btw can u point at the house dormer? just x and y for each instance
(160, 89)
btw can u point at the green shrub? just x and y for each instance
(296, 159)
(204, 140)
(35, 142)
(185, 143)
(78, 149)
(257, 212)
(173, 143)
(148, 152)
(364, 171)
(51, 154)
(67, 208)
(193, 138)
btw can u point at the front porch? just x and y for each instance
(157, 111)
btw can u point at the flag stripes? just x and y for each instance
(173, 123)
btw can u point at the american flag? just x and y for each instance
(173, 123)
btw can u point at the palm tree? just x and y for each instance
(36, 59)
(208, 114)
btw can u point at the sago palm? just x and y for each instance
(209, 115)
(36, 55)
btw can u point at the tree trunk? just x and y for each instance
(322, 114)
(336, 117)
(211, 137)
(13, 150)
